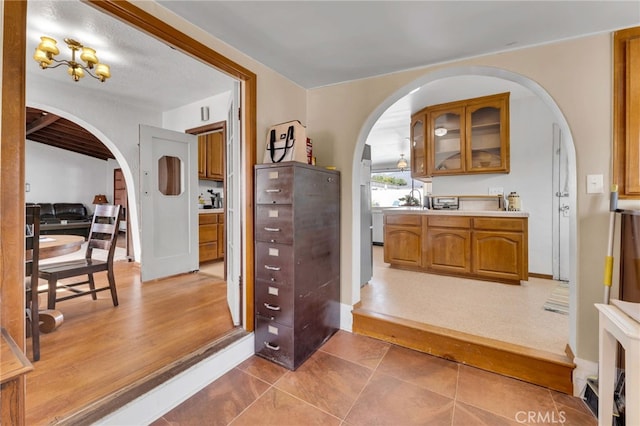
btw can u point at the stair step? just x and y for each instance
(539, 367)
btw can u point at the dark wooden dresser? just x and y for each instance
(297, 251)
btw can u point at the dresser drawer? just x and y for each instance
(274, 341)
(274, 185)
(449, 221)
(499, 224)
(274, 223)
(207, 251)
(274, 263)
(275, 301)
(207, 233)
(207, 218)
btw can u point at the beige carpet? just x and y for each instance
(509, 313)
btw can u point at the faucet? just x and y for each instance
(419, 196)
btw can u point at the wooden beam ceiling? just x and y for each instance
(53, 130)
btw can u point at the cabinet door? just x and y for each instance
(215, 156)
(221, 236)
(418, 158)
(445, 136)
(488, 135)
(403, 245)
(626, 112)
(448, 250)
(499, 255)
(202, 157)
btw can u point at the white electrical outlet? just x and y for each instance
(496, 190)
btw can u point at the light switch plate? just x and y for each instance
(495, 190)
(595, 184)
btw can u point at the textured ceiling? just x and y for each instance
(317, 43)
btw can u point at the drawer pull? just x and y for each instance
(272, 347)
(271, 191)
(272, 229)
(272, 307)
(272, 268)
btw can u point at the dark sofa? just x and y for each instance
(64, 218)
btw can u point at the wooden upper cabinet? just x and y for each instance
(626, 112)
(445, 140)
(466, 137)
(202, 157)
(211, 156)
(418, 158)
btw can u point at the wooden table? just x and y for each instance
(58, 245)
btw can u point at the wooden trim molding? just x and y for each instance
(154, 27)
(12, 171)
(626, 109)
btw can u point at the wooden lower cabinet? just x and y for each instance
(403, 240)
(210, 236)
(488, 248)
(500, 248)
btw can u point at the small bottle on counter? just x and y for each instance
(514, 202)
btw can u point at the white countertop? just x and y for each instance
(420, 210)
(204, 211)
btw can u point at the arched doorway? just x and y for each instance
(558, 117)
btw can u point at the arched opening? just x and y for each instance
(439, 76)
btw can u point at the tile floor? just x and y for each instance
(356, 380)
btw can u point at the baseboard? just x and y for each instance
(543, 276)
(584, 369)
(346, 317)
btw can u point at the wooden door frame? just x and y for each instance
(12, 161)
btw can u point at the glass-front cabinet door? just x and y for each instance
(488, 138)
(418, 158)
(462, 137)
(446, 137)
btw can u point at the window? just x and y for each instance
(391, 189)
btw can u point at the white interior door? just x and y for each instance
(233, 197)
(168, 202)
(561, 207)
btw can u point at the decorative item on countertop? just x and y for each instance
(514, 202)
(409, 200)
(288, 142)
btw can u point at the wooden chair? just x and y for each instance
(32, 248)
(103, 235)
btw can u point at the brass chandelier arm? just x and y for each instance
(70, 64)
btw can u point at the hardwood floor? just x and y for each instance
(103, 355)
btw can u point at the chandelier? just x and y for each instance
(48, 49)
(402, 163)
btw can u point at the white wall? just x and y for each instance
(531, 149)
(189, 117)
(56, 175)
(112, 121)
(576, 77)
